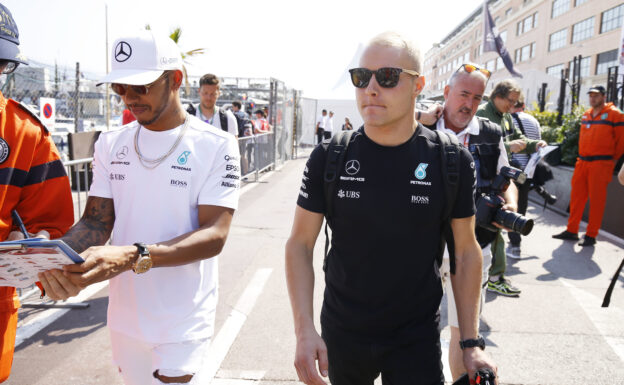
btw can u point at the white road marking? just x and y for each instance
(37, 323)
(229, 331)
(604, 319)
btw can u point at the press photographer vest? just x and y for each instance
(485, 151)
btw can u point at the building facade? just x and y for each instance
(542, 37)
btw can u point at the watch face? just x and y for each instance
(143, 264)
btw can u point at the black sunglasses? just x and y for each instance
(9, 66)
(387, 77)
(121, 89)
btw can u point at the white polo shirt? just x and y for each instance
(165, 304)
(464, 138)
(215, 120)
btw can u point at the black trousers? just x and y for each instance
(352, 362)
(319, 135)
(523, 203)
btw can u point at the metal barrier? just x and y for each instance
(257, 154)
(79, 172)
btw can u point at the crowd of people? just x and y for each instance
(403, 212)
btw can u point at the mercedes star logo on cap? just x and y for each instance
(352, 167)
(123, 51)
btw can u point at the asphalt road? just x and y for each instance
(554, 333)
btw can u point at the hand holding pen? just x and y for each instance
(23, 233)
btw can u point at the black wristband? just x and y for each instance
(478, 342)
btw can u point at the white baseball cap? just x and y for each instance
(142, 58)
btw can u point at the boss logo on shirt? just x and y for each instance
(178, 183)
(420, 200)
(304, 194)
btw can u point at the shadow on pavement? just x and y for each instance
(568, 263)
(75, 324)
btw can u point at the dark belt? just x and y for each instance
(595, 157)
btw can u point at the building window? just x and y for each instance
(559, 7)
(583, 30)
(466, 57)
(584, 67)
(606, 60)
(499, 63)
(579, 2)
(558, 39)
(491, 65)
(555, 70)
(503, 36)
(508, 12)
(533, 49)
(612, 19)
(527, 24)
(525, 53)
(496, 20)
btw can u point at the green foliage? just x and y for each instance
(571, 129)
(546, 118)
(566, 135)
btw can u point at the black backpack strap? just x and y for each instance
(223, 119)
(191, 109)
(449, 158)
(517, 119)
(336, 150)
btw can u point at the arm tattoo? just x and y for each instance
(95, 226)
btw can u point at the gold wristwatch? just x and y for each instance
(144, 261)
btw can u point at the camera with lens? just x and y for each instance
(490, 205)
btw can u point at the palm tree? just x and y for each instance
(175, 36)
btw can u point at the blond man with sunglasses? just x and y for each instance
(165, 187)
(383, 290)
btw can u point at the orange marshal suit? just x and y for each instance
(33, 182)
(601, 144)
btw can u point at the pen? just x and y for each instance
(20, 224)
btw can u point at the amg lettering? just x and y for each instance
(117, 162)
(351, 178)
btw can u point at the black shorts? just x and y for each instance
(352, 362)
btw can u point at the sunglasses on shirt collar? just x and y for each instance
(121, 89)
(386, 77)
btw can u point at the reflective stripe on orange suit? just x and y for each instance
(599, 135)
(33, 182)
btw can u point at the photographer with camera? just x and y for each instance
(484, 139)
(530, 127)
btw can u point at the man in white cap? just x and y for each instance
(166, 186)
